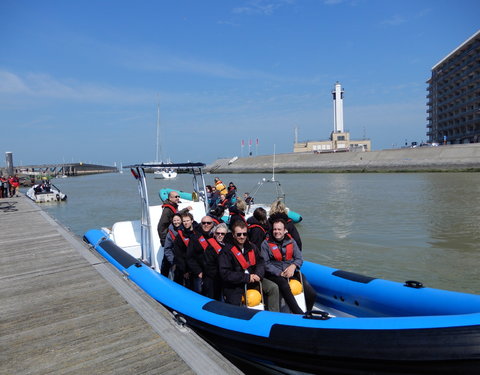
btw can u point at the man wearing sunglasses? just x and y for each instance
(170, 207)
(196, 247)
(240, 264)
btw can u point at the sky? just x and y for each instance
(81, 81)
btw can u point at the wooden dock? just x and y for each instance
(64, 309)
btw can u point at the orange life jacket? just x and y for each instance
(241, 259)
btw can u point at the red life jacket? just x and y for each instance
(174, 210)
(216, 246)
(241, 259)
(203, 242)
(251, 226)
(223, 203)
(277, 254)
(184, 239)
(215, 220)
(239, 214)
(172, 234)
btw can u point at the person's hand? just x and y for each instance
(200, 275)
(186, 275)
(254, 278)
(289, 271)
(189, 208)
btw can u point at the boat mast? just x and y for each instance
(273, 167)
(158, 132)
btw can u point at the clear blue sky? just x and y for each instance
(81, 80)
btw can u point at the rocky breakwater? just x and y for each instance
(419, 159)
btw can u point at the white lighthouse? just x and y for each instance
(338, 108)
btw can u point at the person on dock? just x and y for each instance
(279, 211)
(168, 249)
(212, 284)
(240, 264)
(182, 274)
(258, 226)
(283, 259)
(196, 247)
(170, 207)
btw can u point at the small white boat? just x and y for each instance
(167, 173)
(45, 192)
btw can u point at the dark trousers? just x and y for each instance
(286, 293)
(212, 287)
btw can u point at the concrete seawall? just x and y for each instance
(419, 159)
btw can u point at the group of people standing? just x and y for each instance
(221, 261)
(9, 186)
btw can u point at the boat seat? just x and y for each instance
(127, 235)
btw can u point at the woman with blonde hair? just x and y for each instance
(278, 210)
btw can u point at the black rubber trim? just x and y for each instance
(353, 276)
(117, 253)
(232, 311)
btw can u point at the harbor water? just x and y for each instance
(396, 226)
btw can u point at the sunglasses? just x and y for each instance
(241, 234)
(220, 234)
(176, 196)
(207, 222)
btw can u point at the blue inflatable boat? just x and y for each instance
(359, 325)
(365, 325)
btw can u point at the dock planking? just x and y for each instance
(64, 309)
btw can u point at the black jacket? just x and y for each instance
(257, 232)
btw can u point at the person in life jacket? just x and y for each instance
(182, 274)
(196, 247)
(279, 211)
(223, 202)
(231, 192)
(217, 214)
(168, 254)
(170, 207)
(282, 259)
(258, 226)
(240, 264)
(212, 284)
(220, 186)
(237, 212)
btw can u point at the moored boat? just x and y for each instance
(360, 325)
(45, 192)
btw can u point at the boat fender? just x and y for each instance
(317, 315)
(413, 284)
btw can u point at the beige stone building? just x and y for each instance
(338, 142)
